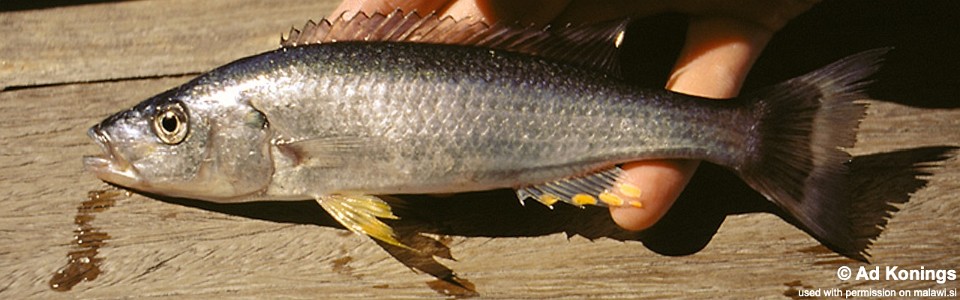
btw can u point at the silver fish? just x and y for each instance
(492, 107)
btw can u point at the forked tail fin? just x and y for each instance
(796, 158)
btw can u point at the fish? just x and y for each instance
(349, 110)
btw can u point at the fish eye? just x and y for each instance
(170, 125)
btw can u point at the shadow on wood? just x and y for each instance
(15, 5)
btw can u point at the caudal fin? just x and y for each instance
(798, 159)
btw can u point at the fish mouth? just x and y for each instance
(109, 166)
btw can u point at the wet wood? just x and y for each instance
(72, 66)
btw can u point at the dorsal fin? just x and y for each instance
(592, 46)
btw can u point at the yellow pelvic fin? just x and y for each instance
(360, 213)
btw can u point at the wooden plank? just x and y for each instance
(140, 38)
(165, 250)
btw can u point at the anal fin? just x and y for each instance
(598, 189)
(361, 214)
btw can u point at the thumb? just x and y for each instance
(659, 183)
(717, 55)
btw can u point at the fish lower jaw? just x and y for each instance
(108, 170)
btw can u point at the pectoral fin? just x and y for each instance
(322, 152)
(360, 213)
(599, 189)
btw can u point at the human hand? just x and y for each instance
(723, 40)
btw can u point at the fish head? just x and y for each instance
(189, 142)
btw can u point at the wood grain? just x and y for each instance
(81, 63)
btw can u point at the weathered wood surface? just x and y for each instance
(159, 249)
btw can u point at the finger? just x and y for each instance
(348, 8)
(522, 12)
(770, 14)
(590, 11)
(659, 184)
(717, 56)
